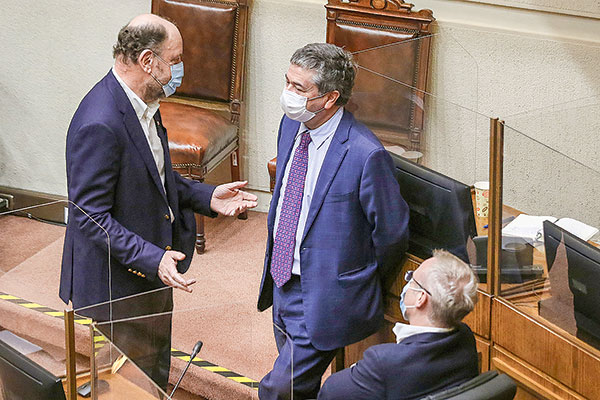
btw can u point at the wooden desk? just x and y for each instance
(125, 384)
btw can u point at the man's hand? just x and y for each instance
(229, 200)
(167, 271)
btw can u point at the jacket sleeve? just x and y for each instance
(385, 209)
(363, 381)
(194, 195)
(93, 165)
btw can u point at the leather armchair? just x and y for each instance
(203, 117)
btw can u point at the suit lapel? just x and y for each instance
(169, 178)
(134, 129)
(331, 164)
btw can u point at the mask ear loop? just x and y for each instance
(150, 72)
(314, 98)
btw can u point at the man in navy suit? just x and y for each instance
(435, 352)
(337, 224)
(131, 227)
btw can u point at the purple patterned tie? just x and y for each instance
(285, 239)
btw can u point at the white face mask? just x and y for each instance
(294, 106)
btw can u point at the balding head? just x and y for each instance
(155, 20)
(146, 49)
(146, 31)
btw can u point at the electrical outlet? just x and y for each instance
(9, 198)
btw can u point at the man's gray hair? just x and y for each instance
(453, 287)
(333, 67)
(132, 40)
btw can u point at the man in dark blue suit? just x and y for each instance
(436, 351)
(131, 227)
(337, 224)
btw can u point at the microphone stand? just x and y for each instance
(195, 352)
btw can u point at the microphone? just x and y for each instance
(195, 352)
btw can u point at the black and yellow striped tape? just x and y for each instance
(100, 341)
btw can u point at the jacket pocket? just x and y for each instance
(358, 275)
(338, 197)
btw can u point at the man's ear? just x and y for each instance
(422, 300)
(332, 97)
(145, 60)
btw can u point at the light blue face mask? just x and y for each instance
(404, 307)
(176, 77)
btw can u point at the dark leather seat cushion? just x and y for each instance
(196, 134)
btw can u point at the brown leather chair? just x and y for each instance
(394, 112)
(203, 117)
(370, 29)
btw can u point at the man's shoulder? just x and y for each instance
(99, 104)
(361, 135)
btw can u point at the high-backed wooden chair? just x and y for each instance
(393, 111)
(203, 117)
(373, 30)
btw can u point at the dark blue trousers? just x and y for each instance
(298, 358)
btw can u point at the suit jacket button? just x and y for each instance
(167, 217)
(129, 269)
(167, 248)
(139, 274)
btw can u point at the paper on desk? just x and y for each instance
(577, 228)
(527, 226)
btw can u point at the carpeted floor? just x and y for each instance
(221, 311)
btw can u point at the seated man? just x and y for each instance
(436, 351)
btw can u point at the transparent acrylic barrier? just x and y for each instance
(237, 348)
(552, 172)
(32, 319)
(436, 124)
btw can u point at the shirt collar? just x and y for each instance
(322, 133)
(403, 331)
(142, 110)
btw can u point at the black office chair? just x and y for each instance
(487, 386)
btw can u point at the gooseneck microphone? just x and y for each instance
(195, 352)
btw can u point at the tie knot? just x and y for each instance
(305, 140)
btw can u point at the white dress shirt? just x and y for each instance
(317, 149)
(403, 331)
(145, 113)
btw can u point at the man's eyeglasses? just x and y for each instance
(409, 276)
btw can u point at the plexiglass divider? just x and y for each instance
(231, 336)
(550, 251)
(55, 340)
(441, 130)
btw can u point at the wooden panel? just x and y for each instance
(479, 319)
(554, 353)
(395, 285)
(483, 352)
(532, 382)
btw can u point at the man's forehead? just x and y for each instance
(302, 75)
(424, 267)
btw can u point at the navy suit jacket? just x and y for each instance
(356, 231)
(112, 176)
(420, 365)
